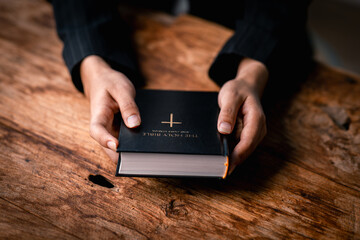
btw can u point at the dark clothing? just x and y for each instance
(270, 31)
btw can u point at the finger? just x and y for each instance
(100, 119)
(114, 156)
(229, 104)
(128, 108)
(253, 132)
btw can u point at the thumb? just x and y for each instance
(229, 104)
(128, 108)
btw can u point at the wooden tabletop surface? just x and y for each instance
(302, 182)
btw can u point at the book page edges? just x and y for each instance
(137, 164)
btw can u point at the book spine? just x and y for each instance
(225, 146)
(226, 152)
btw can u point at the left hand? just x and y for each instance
(240, 97)
(109, 92)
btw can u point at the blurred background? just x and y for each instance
(335, 30)
(334, 27)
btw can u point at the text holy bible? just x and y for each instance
(177, 137)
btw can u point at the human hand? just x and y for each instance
(240, 97)
(109, 92)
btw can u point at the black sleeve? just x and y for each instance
(270, 31)
(93, 27)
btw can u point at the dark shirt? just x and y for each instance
(270, 31)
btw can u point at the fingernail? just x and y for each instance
(225, 127)
(111, 145)
(133, 121)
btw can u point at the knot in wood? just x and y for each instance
(175, 209)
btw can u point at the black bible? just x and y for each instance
(177, 137)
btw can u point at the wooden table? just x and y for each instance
(302, 182)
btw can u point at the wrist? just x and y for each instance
(91, 68)
(253, 73)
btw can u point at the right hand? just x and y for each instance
(240, 97)
(109, 92)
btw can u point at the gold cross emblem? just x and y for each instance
(171, 121)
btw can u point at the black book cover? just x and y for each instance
(179, 122)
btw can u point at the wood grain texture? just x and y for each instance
(16, 222)
(302, 182)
